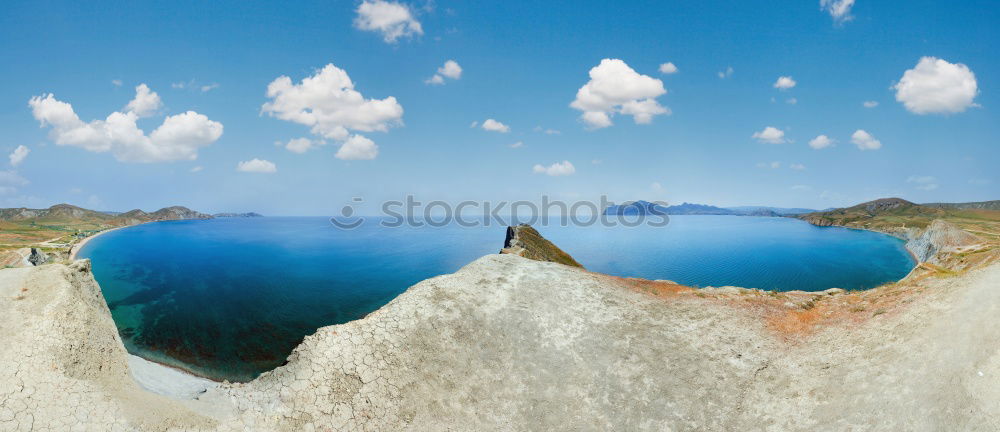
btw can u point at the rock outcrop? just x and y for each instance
(37, 257)
(941, 237)
(523, 240)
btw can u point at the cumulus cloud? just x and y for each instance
(209, 87)
(451, 69)
(196, 168)
(797, 167)
(784, 83)
(563, 168)
(614, 87)
(393, 20)
(865, 141)
(495, 126)
(926, 183)
(301, 145)
(770, 135)
(870, 104)
(116, 82)
(328, 103)
(723, 74)
(357, 147)
(668, 68)
(178, 138)
(255, 165)
(935, 86)
(518, 144)
(145, 103)
(17, 156)
(840, 10)
(821, 142)
(791, 101)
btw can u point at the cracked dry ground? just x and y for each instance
(513, 344)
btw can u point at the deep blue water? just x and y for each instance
(230, 298)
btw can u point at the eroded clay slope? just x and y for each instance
(513, 344)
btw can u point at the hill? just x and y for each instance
(981, 205)
(63, 224)
(781, 211)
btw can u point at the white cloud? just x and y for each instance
(797, 167)
(563, 168)
(451, 69)
(145, 103)
(935, 86)
(771, 165)
(178, 138)
(209, 87)
(770, 135)
(865, 141)
(435, 80)
(784, 83)
(328, 103)
(495, 126)
(840, 10)
(656, 186)
(393, 20)
(518, 144)
(979, 181)
(197, 168)
(255, 165)
(821, 142)
(926, 183)
(357, 147)
(668, 68)
(791, 101)
(613, 88)
(726, 73)
(801, 187)
(301, 145)
(870, 104)
(17, 156)
(116, 82)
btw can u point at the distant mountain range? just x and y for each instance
(641, 207)
(238, 215)
(66, 213)
(895, 212)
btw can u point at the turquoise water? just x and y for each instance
(231, 298)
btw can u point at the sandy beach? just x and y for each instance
(74, 249)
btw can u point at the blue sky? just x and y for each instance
(522, 64)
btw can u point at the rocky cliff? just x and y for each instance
(525, 241)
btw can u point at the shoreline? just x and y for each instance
(75, 248)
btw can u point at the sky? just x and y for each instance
(297, 107)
